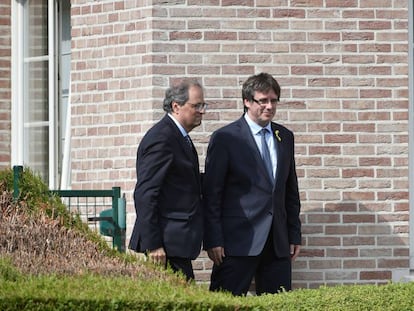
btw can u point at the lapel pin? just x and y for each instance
(277, 136)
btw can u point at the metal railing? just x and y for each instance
(105, 208)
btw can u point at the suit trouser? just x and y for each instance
(182, 265)
(235, 273)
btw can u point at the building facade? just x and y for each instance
(84, 80)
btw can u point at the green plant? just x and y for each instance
(36, 199)
(33, 192)
(94, 292)
(7, 271)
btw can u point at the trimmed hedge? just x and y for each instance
(19, 291)
(94, 292)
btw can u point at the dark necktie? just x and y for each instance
(189, 142)
(190, 145)
(266, 153)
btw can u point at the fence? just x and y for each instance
(103, 210)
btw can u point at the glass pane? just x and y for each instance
(36, 86)
(37, 90)
(36, 30)
(36, 143)
(64, 74)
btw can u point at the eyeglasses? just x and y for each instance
(265, 101)
(199, 106)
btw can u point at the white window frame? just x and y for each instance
(18, 92)
(411, 130)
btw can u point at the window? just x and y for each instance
(36, 100)
(41, 65)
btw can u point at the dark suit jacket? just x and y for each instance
(241, 202)
(167, 194)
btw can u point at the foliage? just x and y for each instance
(34, 195)
(7, 271)
(49, 260)
(35, 198)
(39, 236)
(95, 292)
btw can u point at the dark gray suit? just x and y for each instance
(167, 194)
(243, 207)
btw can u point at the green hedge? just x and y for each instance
(93, 292)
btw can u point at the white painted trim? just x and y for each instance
(411, 129)
(36, 59)
(17, 118)
(65, 180)
(36, 124)
(52, 94)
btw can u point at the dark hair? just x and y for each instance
(178, 93)
(262, 82)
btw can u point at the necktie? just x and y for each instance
(189, 142)
(190, 145)
(266, 153)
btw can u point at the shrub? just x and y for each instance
(34, 196)
(49, 260)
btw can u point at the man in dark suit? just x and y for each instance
(251, 197)
(169, 223)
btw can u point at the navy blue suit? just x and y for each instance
(244, 209)
(167, 194)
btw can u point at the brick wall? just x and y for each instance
(5, 84)
(343, 68)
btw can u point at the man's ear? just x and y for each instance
(175, 107)
(246, 103)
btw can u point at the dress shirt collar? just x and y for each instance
(180, 127)
(254, 127)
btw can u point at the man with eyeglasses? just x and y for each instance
(251, 197)
(169, 223)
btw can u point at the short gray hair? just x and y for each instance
(179, 93)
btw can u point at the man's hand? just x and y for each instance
(294, 251)
(216, 254)
(158, 256)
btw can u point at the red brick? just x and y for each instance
(344, 94)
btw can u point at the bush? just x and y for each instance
(34, 196)
(94, 292)
(39, 235)
(49, 260)
(35, 199)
